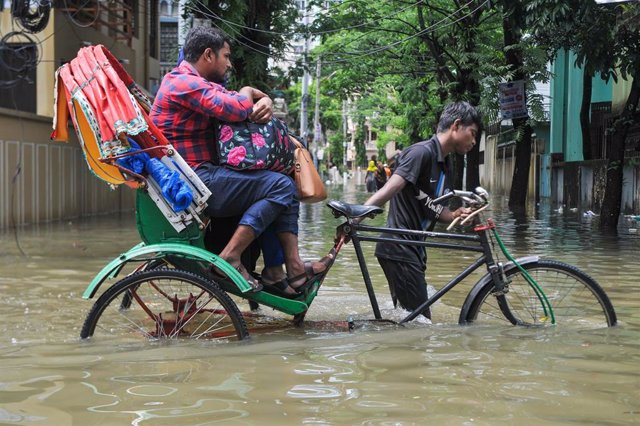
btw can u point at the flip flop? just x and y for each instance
(308, 275)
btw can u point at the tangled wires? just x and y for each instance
(33, 15)
(18, 55)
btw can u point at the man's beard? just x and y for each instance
(220, 79)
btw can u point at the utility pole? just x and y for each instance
(316, 116)
(304, 104)
(344, 134)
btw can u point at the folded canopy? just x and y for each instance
(106, 107)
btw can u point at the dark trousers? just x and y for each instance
(262, 198)
(406, 283)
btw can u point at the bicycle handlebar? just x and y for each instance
(477, 199)
(478, 196)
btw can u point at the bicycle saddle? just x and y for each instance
(340, 208)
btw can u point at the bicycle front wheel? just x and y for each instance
(165, 304)
(576, 299)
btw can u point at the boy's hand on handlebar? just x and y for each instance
(461, 212)
(457, 216)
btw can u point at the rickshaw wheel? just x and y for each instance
(165, 304)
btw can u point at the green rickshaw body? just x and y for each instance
(186, 250)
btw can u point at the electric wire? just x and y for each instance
(433, 28)
(32, 17)
(210, 14)
(442, 23)
(78, 9)
(18, 57)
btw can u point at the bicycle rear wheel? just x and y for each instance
(577, 300)
(165, 304)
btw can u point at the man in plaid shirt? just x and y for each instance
(190, 96)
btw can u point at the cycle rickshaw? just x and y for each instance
(171, 292)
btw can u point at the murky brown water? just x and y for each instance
(377, 375)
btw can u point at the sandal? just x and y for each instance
(310, 277)
(255, 285)
(279, 288)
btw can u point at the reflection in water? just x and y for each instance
(322, 374)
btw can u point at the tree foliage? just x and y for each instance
(400, 61)
(414, 57)
(260, 29)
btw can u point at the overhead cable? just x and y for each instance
(33, 16)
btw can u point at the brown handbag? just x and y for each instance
(308, 182)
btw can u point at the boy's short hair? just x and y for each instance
(464, 111)
(200, 38)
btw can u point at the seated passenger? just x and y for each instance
(188, 98)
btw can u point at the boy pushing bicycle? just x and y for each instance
(422, 174)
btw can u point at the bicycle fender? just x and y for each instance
(163, 250)
(487, 278)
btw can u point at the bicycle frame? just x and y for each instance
(478, 243)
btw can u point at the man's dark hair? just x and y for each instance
(464, 111)
(200, 38)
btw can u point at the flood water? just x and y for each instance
(438, 373)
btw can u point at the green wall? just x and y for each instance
(566, 96)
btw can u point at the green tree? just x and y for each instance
(513, 25)
(260, 30)
(424, 54)
(359, 142)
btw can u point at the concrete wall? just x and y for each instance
(499, 163)
(578, 184)
(43, 181)
(584, 185)
(135, 59)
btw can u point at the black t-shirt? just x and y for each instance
(426, 171)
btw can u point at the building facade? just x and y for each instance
(42, 180)
(559, 172)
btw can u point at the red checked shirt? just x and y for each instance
(184, 106)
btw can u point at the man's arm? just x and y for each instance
(262, 110)
(391, 188)
(262, 104)
(215, 101)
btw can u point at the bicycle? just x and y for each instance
(528, 291)
(172, 293)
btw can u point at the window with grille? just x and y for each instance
(168, 42)
(18, 76)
